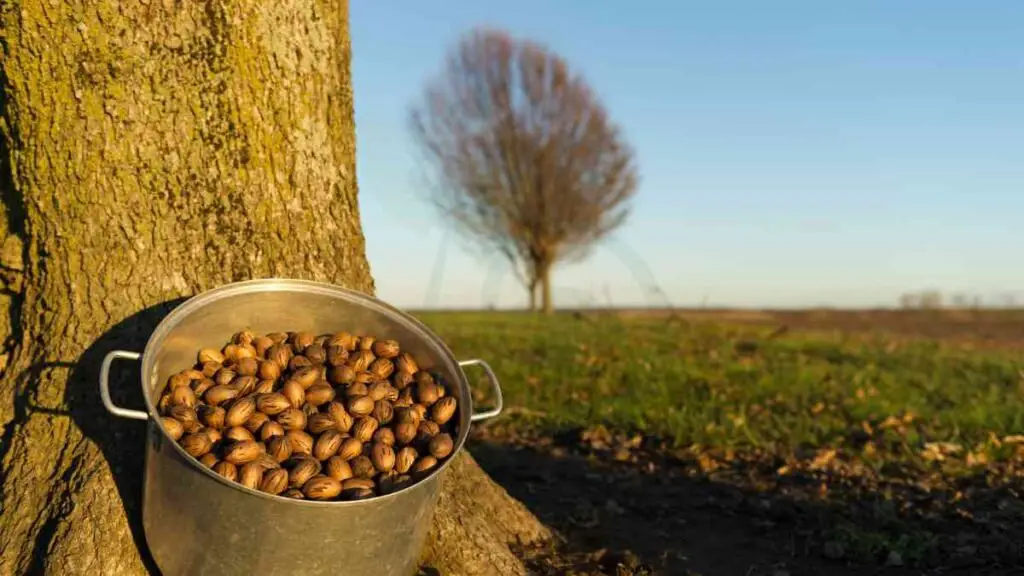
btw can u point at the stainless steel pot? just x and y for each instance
(196, 522)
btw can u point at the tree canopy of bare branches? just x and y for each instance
(522, 156)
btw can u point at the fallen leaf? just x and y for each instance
(823, 458)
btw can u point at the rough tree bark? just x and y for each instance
(156, 149)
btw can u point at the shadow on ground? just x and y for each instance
(640, 518)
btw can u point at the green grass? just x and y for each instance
(700, 384)
(869, 418)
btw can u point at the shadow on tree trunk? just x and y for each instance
(120, 440)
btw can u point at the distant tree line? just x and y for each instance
(934, 299)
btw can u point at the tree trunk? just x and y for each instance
(547, 303)
(158, 149)
(532, 290)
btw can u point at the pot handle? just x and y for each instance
(105, 386)
(498, 400)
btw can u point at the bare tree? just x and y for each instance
(524, 158)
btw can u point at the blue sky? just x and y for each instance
(792, 153)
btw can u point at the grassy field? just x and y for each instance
(919, 427)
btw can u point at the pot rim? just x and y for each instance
(201, 299)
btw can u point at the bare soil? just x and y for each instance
(982, 327)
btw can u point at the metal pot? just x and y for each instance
(196, 522)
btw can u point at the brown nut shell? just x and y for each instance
(261, 344)
(279, 354)
(384, 436)
(365, 428)
(250, 475)
(240, 411)
(343, 421)
(443, 410)
(213, 433)
(327, 444)
(386, 349)
(381, 368)
(362, 467)
(426, 431)
(356, 389)
(360, 406)
(427, 393)
(424, 465)
(274, 481)
(269, 370)
(401, 379)
(350, 448)
(302, 471)
(378, 390)
(294, 393)
(336, 467)
(407, 415)
(271, 430)
(247, 367)
(210, 355)
(226, 469)
(405, 432)
(197, 444)
(219, 393)
(366, 342)
(301, 442)
(264, 387)
(383, 457)
(306, 376)
(272, 404)
(406, 363)
(244, 384)
(292, 419)
(279, 448)
(319, 423)
(340, 375)
(224, 376)
(319, 394)
(405, 459)
(242, 452)
(321, 488)
(441, 446)
(301, 340)
(183, 395)
(383, 411)
(316, 353)
(208, 369)
(239, 434)
(356, 482)
(173, 428)
(201, 386)
(255, 422)
(361, 360)
(184, 414)
(211, 416)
